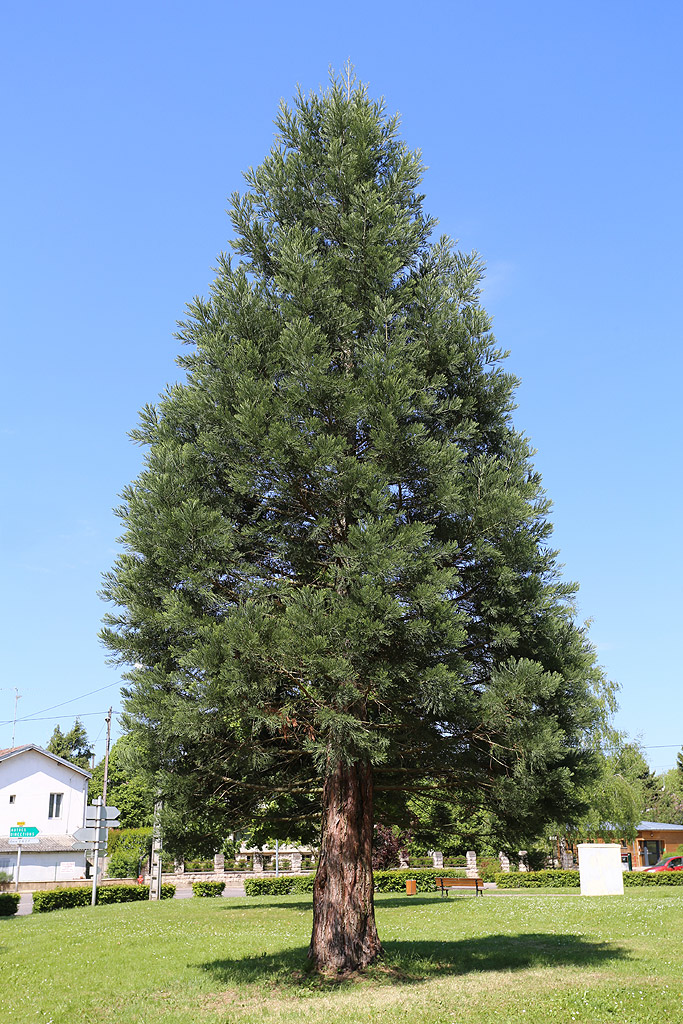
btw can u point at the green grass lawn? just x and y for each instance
(531, 956)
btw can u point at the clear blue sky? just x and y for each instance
(553, 139)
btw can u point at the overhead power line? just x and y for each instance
(64, 718)
(27, 718)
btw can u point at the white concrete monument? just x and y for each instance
(600, 869)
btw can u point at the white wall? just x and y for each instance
(45, 867)
(30, 777)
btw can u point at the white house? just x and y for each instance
(42, 790)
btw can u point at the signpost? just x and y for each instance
(98, 820)
(21, 835)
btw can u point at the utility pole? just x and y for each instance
(106, 758)
(17, 697)
(106, 773)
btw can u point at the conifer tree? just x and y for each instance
(336, 586)
(72, 745)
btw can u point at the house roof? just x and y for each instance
(13, 751)
(652, 826)
(45, 844)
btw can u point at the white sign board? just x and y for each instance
(600, 869)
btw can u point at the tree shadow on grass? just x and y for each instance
(414, 962)
(305, 902)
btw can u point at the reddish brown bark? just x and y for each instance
(344, 932)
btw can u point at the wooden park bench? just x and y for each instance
(444, 884)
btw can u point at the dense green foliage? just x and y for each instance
(338, 549)
(129, 850)
(285, 885)
(80, 896)
(72, 745)
(9, 903)
(548, 879)
(61, 899)
(127, 788)
(208, 888)
(395, 881)
(639, 878)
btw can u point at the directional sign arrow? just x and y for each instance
(23, 832)
(90, 835)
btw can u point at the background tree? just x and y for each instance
(72, 745)
(336, 576)
(128, 789)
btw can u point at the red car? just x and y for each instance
(667, 864)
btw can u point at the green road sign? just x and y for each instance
(23, 832)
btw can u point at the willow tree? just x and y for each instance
(335, 589)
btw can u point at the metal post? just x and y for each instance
(277, 857)
(16, 880)
(106, 772)
(96, 853)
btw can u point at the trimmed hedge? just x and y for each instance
(547, 879)
(556, 879)
(208, 888)
(385, 881)
(9, 903)
(285, 885)
(61, 899)
(395, 881)
(80, 896)
(635, 878)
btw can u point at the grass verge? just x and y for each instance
(529, 957)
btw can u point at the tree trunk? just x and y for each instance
(344, 932)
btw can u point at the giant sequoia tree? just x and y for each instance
(336, 590)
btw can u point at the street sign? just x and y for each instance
(24, 832)
(24, 841)
(91, 834)
(102, 815)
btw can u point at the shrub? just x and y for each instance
(122, 893)
(80, 896)
(488, 869)
(395, 881)
(132, 840)
(636, 878)
(208, 888)
(5, 876)
(123, 864)
(549, 879)
(61, 899)
(285, 886)
(9, 903)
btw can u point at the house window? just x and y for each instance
(12, 798)
(55, 810)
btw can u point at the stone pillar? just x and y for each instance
(258, 863)
(296, 861)
(471, 869)
(523, 862)
(566, 856)
(179, 867)
(403, 859)
(504, 861)
(219, 862)
(437, 858)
